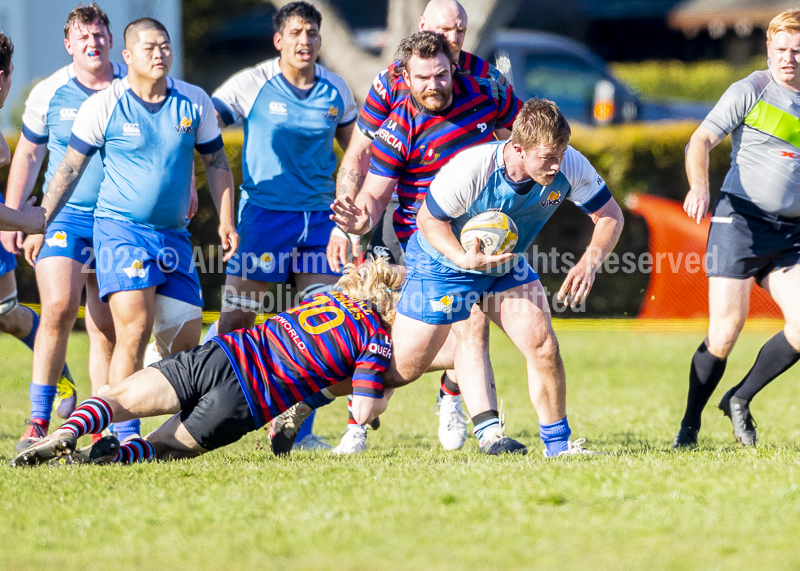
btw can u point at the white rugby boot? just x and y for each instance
(452, 422)
(354, 441)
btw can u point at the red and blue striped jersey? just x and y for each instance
(319, 343)
(414, 143)
(389, 89)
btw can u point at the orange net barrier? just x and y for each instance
(678, 285)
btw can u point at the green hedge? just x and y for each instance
(632, 158)
(673, 79)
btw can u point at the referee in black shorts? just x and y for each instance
(755, 227)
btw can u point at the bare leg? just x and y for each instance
(172, 441)
(133, 313)
(100, 327)
(472, 363)
(18, 322)
(523, 313)
(60, 282)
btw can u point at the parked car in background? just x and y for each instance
(579, 81)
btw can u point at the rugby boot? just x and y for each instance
(37, 429)
(686, 438)
(283, 429)
(452, 422)
(66, 395)
(744, 425)
(576, 449)
(494, 443)
(104, 451)
(59, 443)
(354, 441)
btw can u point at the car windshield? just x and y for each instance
(562, 78)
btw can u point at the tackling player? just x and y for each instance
(64, 258)
(443, 115)
(446, 17)
(238, 382)
(755, 227)
(527, 178)
(146, 128)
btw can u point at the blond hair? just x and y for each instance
(786, 21)
(375, 282)
(540, 121)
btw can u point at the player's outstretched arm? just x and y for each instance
(440, 235)
(25, 166)
(608, 222)
(697, 151)
(359, 215)
(63, 183)
(367, 409)
(27, 218)
(352, 171)
(220, 183)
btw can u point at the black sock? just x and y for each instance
(448, 387)
(775, 357)
(704, 376)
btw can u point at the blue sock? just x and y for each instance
(482, 426)
(307, 427)
(125, 429)
(28, 339)
(42, 397)
(555, 436)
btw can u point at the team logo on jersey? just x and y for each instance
(58, 240)
(266, 263)
(380, 350)
(185, 127)
(131, 129)
(430, 155)
(277, 108)
(332, 114)
(553, 199)
(785, 154)
(381, 251)
(68, 114)
(390, 139)
(444, 305)
(136, 270)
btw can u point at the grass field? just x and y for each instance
(406, 504)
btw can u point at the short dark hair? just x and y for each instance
(425, 45)
(302, 10)
(540, 122)
(6, 51)
(86, 15)
(142, 24)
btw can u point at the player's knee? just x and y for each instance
(542, 346)
(792, 333)
(173, 318)
(59, 314)
(9, 306)
(722, 337)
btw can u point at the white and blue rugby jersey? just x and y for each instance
(147, 150)
(50, 110)
(475, 182)
(288, 159)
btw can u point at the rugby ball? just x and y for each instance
(496, 231)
